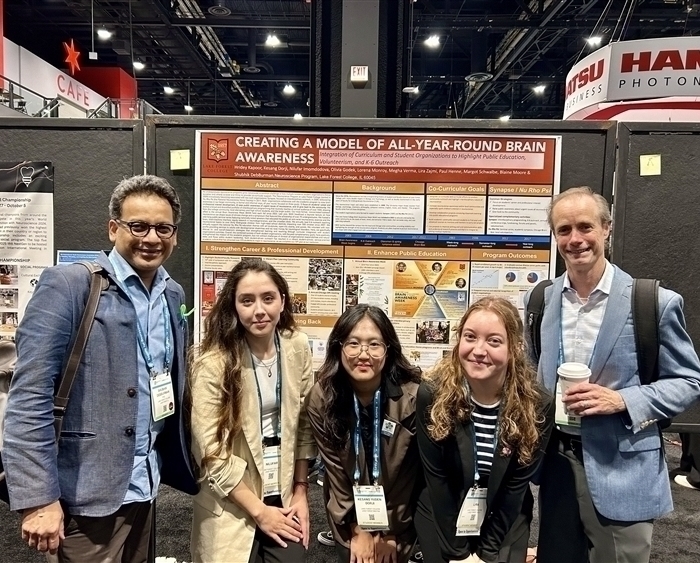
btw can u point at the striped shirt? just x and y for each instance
(485, 418)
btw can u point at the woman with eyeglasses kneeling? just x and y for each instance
(363, 414)
(250, 434)
(483, 425)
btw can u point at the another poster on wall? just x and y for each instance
(419, 224)
(26, 235)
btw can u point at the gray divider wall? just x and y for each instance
(655, 222)
(89, 156)
(588, 150)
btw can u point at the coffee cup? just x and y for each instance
(572, 373)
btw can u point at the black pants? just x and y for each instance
(267, 550)
(690, 457)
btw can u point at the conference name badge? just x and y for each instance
(473, 511)
(162, 396)
(271, 471)
(370, 508)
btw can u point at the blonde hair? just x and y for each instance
(520, 419)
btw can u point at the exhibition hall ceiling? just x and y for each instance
(214, 56)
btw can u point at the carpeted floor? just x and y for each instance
(675, 536)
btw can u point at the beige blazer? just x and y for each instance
(221, 530)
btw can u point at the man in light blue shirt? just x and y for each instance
(123, 430)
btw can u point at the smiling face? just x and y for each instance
(259, 304)
(365, 371)
(144, 254)
(580, 233)
(483, 349)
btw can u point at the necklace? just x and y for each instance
(269, 366)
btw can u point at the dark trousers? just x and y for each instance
(122, 537)
(690, 457)
(512, 550)
(267, 550)
(571, 529)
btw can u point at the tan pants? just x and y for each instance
(121, 537)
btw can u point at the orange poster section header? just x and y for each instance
(378, 157)
(315, 320)
(515, 189)
(487, 255)
(265, 186)
(407, 253)
(271, 249)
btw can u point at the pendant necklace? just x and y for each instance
(269, 366)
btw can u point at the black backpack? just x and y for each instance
(645, 317)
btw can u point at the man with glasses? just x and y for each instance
(123, 430)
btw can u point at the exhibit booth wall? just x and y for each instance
(89, 156)
(655, 216)
(588, 155)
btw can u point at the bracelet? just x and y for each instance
(304, 484)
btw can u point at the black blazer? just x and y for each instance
(449, 473)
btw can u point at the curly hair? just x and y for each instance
(335, 382)
(520, 418)
(223, 333)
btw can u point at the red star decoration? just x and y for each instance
(72, 58)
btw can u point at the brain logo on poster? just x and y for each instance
(218, 149)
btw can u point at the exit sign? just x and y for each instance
(359, 74)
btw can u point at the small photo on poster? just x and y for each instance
(9, 299)
(325, 274)
(9, 274)
(433, 332)
(26, 177)
(299, 304)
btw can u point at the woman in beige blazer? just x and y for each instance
(251, 437)
(365, 402)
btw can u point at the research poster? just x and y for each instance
(26, 236)
(419, 224)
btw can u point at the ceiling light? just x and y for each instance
(297, 116)
(272, 40)
(504, 117)
(433, 41)
(539, 89)
(594, 40)
(410, 90)
(138, 65)
(188, 108)
(103, 33)
(168, 89)
(289, 89)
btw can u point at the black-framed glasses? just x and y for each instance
(376, 350)
(141, 228)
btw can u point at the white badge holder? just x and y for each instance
(561, 417)
(271, 471)
(162, 396)
(370, 508)
(473, 511)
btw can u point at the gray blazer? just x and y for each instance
(96, 449)
(623, 455)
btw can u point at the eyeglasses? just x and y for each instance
(376, 350)
(141, 228)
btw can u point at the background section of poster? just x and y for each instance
(26, 235)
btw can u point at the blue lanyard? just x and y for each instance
(375, 437)
(476, 455)
(278, 390)
(140, 337)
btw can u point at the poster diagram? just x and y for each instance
(26, 236)
(420, 225)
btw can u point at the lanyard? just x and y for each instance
(278, 389)
(140, 337)
(476, 455)
(375, 436)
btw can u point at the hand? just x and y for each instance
(362, 547)
(42, 527)
(586, 399)
(385, 549)
(300, 505)
(278, 523)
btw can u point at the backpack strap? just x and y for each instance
(98, 282)
(535, 310)
(645, 317)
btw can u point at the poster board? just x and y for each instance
(417, 223)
